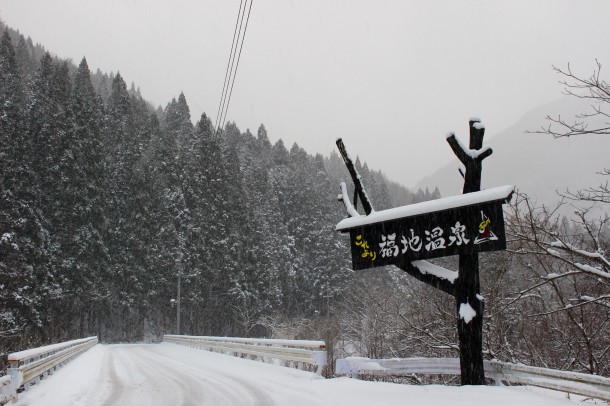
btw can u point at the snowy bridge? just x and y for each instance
(170, 374)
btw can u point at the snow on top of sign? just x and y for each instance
(431, 206)
(426, 267)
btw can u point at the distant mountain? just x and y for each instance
(537, 164)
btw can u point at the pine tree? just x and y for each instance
(24, 238)
(81, 205)
(25, 59)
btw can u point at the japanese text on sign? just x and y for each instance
(421, 237)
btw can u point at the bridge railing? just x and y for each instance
(28, 367)
(593, 386)
(296, 351)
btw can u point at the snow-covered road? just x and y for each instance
(168, 374)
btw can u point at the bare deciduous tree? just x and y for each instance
(592, 88)
(595, 121)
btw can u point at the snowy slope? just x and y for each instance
(167, 374)
(537, 164)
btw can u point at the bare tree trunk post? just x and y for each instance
(359, 187)
(467, 285)
(178, 306)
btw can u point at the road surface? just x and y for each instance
(171, 375)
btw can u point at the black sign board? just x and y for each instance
(474, 228)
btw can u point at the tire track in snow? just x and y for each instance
(185, 389)
(136, 380)
(214, 387)
(116, 384)
(137, 374)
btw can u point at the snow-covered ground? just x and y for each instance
(168, 374)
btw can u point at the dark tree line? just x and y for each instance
(105, 201)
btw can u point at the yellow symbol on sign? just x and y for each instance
(365, 247)
(485, 234)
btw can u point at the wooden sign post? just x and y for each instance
(461, 225)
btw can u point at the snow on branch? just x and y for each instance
(426, 267)
(601, 271)
(592, 88)
(602, 300)
(344, 197)
(540, 232)
(570, 247)
(466, 154)
(433, 275)
(592, 270)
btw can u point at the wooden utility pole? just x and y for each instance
(467, 285)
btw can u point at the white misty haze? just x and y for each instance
(390, 77)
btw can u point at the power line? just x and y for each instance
(229, 66)
(237, 65)
(233, 72)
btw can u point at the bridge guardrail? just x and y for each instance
(28, 367)
(303, 351)
(593, 386)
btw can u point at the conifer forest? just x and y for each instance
(106, 202)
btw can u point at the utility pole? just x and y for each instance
(178, 305)
(179, 268)
(328, 296)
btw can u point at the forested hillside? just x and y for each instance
(105, 201)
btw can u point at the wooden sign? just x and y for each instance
(428, 230)
(464, 225)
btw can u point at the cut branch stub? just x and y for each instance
(477, 131)
(471, 157)
(360, 191)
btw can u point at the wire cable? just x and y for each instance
(243, 38)
(229, 66)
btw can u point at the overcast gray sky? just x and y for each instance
(392, 77)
